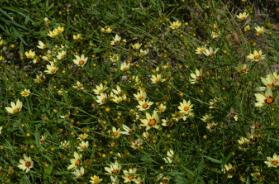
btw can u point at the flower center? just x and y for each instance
(232, 115)
(202, 50)
(83, 147)
(59, 31)
(125, 68)
(52, 70)
(175, 26)
(25, 93)
(152, 122)
(260, 32)
(81, 62)
(115, 134)
(253, 139)
(115, 42)
(231, 171)
(271, 85)
(244, 145)
(79, 86)
(107, 31)
(131, 177)
(30, 56)
(164, 181)
(45, 46)
(215, 34)
(274, 162)
(141, 97)
(198, 78)
(242, 18)
(63, 55)
(103, 100)
(186, 108)
(161, 109)
(257, 57)
(158, 80)
(16, 110)
(212, 127)
(145, 106)
(96, 180)
(114, 171)
(27, 164)
(243, 71)
(118, 100)
(77, 163)
(101, 90)
(269, 100)
(82, 136)
(211, 54)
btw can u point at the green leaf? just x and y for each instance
(37, 137)
(213, 160)
(19, 36)
(248, 180)
(47, 172)
(21, 49)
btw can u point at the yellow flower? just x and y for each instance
(59, 30)
(256, 56)
(99, 89)
(151, 121)
(241, 69)
(211, 126)
(206, 118)
(260, 30)
(213, 103)
(127, 130)
(272, 162)
(214, 34)
(116, 40)
(106, 30)
(114, 168)
(78, 173)
(25, 92)
(141, 95)
(76, 162)
(136, 46)
(102, 98)
(232, 115)
(168, 159)
(229, 169)
(196, 77)
(117, 99)
(53, 33)
(80, 61)
(185, 106)
(137, 143)
(242, 16)
(117, 91)
(129, 175)
(161, 108)
(115, 133)
(114, 58)
(30, 54)
(125, 67)
(270, 81)
(163, 179)
(144, 52)
(200, 50)
(77, 37)
(209, 52)
(15, 108)
(42, 45)
(61, 55)
(243, 142)
(144, 105)
(26, 163)
(247, 28)
(176, 116)
(95, 179)
(78, 85)
(257, 175)
(166, 122)
(156, 79)
(264, 99)
(51, 69)
(82, 136)
(175, 25)
(83, 145)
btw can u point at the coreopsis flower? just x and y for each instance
(41, 45)
(144, 52)
(229, 169)
(206, 118)
(258, 176)
(80, 61)
(252, 137)
(76, 162)
(114, 58)
(102, 98)
(200, 50)
(117, 99)
(114, 180)
(15, 108)
(117, 91)
(241, 69)
(106, 29)
(213, 103)
(129, 175)
(170, 155)
(185, 106)
(163, 179)
(42, 140)
(144, 105)
(99, 89)
(83, 145)
(243, 143)
(177, 116)
(137, 143)
(125, 67)
(25, 92)
(51, 69)
(196, 77)
(78, 85)
(255, 127)
(157, 79)
(65, 144)
(161, 108)
(115, 133)
(77, 37)
(270, 81)
(139, 180)
(256, 56)
(141, 95)
(260, 30)
(211, 126)
(247, 28)
(272, 162)
(78, 173)
(214, 34)
(82, 136)
(114, 168)
(95, 179)
(48, 56)
(166, 122)
(175, 25)
(209, 52)
(233, 115)
(26, 163)
(31, 54)
(127, 130)
(264, 99)
(61, 55)
(116, 40)
(52, 34)
(59, 29)
(35, 60)
(151, 121)
(145, 135)
(136, 46)
(242, 16)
